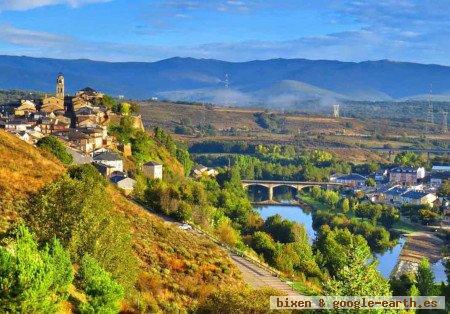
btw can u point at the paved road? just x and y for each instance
(258, 277)
(253, 274)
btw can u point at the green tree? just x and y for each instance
(79, 213)
(425, 278)
(33, 281)
(103, 292)
(53, 145)
(371, 182)
(345, 205)
(444, 189)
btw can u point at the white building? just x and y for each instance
(110, 159)
(153, 170)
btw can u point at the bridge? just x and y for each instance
(298, 185)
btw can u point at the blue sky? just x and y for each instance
(234, 30)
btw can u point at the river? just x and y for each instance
(386, 260)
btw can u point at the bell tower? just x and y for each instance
(60, 86)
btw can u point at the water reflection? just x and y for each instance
(386, 260)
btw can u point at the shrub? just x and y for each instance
(56, 147)
(32, 280)
(104, 294)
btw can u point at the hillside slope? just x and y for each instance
(177, 268)
(204, 79)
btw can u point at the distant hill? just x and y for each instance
(272, 83)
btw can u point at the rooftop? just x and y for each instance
(417, 195)
(353, 177)
(152, 163)
(107, 155)
(404, 170)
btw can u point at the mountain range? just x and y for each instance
(275, 83)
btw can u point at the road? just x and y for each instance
(254, 275)
(258, 277)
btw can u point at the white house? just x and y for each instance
(153, 170)
(110, 159)
(126, 185)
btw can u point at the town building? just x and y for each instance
(202, 171)
(440, 168)
(109, 158)
(352, 179)
(418, 198)
(437, 178)
(406, 175)
(126, 185)
(153, 170)
(26, 108)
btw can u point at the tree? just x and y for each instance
(345, 205)
(33, 280)
(53, 145)
(339, 246)
(79, 213)
(425, 278)
(104, 294)
(444, 189)
(263, 244)
(371, 182)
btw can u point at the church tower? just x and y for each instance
(60, 86)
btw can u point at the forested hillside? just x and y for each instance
(158, 266)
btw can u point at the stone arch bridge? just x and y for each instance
(298, 185)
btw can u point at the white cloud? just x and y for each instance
(23, 5)
(25, 37)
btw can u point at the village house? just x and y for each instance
(202, 171)
(352, 179)
(392, 195)
(418, 198)
(26, 108)
(437, 178)
(406, 175)
(153, 170)
(109, 158)
(440, 168)
(126, 184)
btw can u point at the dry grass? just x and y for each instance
(177, 268)
(24, 169)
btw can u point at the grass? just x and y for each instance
(312, 202)
(306, 287)
(404, 227)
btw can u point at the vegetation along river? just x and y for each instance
(387, 259)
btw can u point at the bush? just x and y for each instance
(31, 280)
(53, 145)
(238, 300)
(104, 294)
(184, 212)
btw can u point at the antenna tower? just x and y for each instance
(227, 81)
(336, 113)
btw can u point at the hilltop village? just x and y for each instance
(81, 122)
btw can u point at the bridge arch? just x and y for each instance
(297, 185)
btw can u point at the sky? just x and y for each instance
(232, 30)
